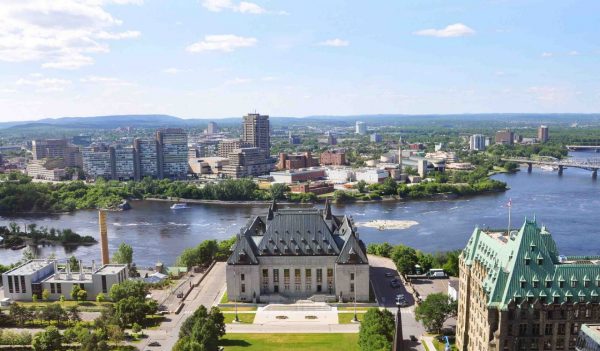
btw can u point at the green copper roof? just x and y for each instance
(522, 264)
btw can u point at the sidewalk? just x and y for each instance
(428, 341)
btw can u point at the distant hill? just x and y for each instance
(159, 121)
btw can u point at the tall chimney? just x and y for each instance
(103, 236)
(81, 274)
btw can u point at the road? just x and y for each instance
(386, 296)
(207, 293)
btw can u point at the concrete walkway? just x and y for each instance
(428, 340)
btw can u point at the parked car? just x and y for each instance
(413, 338)
(436, 273)
(154, 344)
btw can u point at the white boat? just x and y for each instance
(179, 206)
(548, 168)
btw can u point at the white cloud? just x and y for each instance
(335, 42)
(60, 34)
(7, 91)
(222, 42)
(45, 84)
(547, 54)
(237, 81)
(112, 81)
(573, 53)
(172, 70)
(453, 30)
(241, 7)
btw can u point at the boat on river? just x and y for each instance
(179, 206)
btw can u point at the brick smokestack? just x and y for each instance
(103, 237)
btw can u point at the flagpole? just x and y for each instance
(509, 210)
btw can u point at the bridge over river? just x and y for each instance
(590, 164)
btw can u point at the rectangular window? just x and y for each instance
(548, 330)
(548, 284)
(522, 329)
(286, 279)
(23, 288)
(534, 284)
(351, 276)
(573, 283)
(52, 288)
(243, 288)
(319, 275)
(535, 330)
(104, 286)
(242, 277)
(265, 274)
(561, 284)
(308, 274)
(586, 283)
(58, 288)
(17, 287)
(10, 284)
(276, 275)
(561, 329)
(351, 287)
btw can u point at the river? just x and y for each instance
(569, 205)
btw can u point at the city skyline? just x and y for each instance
(212, 59)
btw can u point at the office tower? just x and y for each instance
(97, 162)
(227, 146)
(361, 128)
(213, 128)
(256, 132)
(172, 150)
(505, 137)
(516, 292)
(145, 158)
(48, 148)
(477, 142)
(247, 162)
(122, 163)
(376, 138)
(543, 134)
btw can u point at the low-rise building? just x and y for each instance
(296, 161)
(298, 175)
(40, 169)
(293, 254)
(340, 175)
(333, 158)
(247, 162)
(316, 188)
(371, 175)
(589, 338)
(35, 276)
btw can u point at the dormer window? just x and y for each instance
(527, 260)
(573, 282)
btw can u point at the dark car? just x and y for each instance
(413, 338)
(154, 343)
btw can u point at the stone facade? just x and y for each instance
(517, 293)
(298, 254)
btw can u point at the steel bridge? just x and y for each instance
(591, 164)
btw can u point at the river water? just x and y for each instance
(569, 205)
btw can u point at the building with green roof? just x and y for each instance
(516, 292)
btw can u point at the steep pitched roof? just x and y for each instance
(243, 251)
(352, 252)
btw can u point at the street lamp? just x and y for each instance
(236, 320)
(355, 319)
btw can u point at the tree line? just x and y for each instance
(406, 258)
(14, 236)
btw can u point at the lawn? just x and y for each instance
(351, 308)
(276, 342)
(239, 308)
(441, 346)
(346, 318)
(89, 306)
(243, 317)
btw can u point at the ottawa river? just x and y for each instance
(568, 205)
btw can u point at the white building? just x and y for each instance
(35, 276)
(300, 253)
(371, 175)
(340, 175)
(477, 142)
(361, 128)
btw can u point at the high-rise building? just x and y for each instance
(122, 163)
(376, 138)
(145, 158)
(505, 137)
(256, 132)
(361, 128)
(516, 292)
(97, 162)
(542, 134)
(227, 146)
(172, 150)
(247, 162)
(213, 128)
(56, 149)
(477, 142)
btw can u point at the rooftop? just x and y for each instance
(110, 269)
(592, 330)
(75, 278)
(30, 267)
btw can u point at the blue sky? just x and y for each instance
(221, 58)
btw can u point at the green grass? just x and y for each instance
(88, 306)
(346, 318)
(243, 317)
(351, 308)
(441, 346)
(224, 298)
(276, 342)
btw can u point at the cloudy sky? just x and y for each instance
(221, 58)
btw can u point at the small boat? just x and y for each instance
(179, 206)
(548, 168)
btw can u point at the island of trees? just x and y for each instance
(14, 237)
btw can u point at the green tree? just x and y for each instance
(361, 186)
(201, 331)
(277, 191)
(45, 294)
(100, 298)
(136, 328)
(130, 310)
(405, 259)
(129, 288)
(73, 264)
(435, 310)
(48, 340)
(123, 255)
(75, 292)
(376, 330)
(82, 295)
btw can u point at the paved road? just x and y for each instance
(386, 296)
(207, 293)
